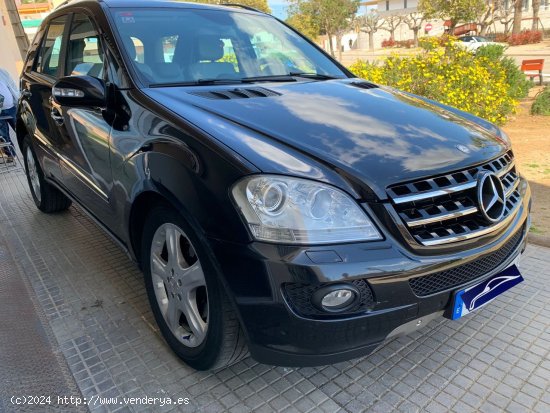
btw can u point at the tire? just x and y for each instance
(189, 287)
(46, 197)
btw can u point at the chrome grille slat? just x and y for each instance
(473, 234)
(434, 194)
(443, 209)
(441, 217)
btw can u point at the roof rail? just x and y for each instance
(242, 6)
(67, 2)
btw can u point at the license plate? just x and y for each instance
(472, 298)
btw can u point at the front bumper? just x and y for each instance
(280, 332)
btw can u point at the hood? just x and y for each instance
(379, 135)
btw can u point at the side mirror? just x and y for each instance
(79, 91)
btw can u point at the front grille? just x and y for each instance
(299, 296)
(444, 280)
(445, 209)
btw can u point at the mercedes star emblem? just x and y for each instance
(490, 196)
(463, 148)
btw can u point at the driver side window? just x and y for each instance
(84, 51)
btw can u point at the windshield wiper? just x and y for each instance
(288, 77)
(318, 76)
(269, 78)
(205, 82)
(198, 82)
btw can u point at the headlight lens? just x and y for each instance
(299, 211)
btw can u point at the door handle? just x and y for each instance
(57, 117)
(26, 93)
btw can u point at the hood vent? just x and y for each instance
(365, 85)
(237, 93)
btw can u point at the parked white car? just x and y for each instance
(473, 43)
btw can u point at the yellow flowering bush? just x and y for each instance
(450, 75)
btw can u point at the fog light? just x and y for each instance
(336, 297)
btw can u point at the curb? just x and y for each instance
(542, 240)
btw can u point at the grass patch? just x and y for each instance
(535, 230)
(532, 165)
(541, 106)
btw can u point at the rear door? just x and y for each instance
(85, 153)
(36, 87)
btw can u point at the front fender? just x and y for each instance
(195, 187)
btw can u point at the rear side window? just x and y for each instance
(50, 53)
(84, 53)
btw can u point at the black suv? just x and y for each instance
(276, 203)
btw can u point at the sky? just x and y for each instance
(278, 8)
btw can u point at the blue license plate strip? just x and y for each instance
(472, 298)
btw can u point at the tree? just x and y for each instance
(414, 21)
(370, 23)
(257, 4)
(304, 24)
(518, 10)
(536, 8)
(333, 17)
(488, 15)
(391, 23)
(505, 14)
(454, 10)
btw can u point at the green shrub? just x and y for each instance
(519, 84)
(541, 106)
(487, 85)
(491, 51)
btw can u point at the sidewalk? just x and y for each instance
(31, 363)
(92, 314)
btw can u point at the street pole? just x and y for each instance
(20, 35)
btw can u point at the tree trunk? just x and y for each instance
(536, 8)
(452, 27)
(415, 35)
(484, 28)
(330, 45)
(371, 41)
(518, 10)
(392, 34)
(339, 46)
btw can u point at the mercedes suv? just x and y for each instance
(277, 204)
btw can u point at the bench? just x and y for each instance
(533, 68)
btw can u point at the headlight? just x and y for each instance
(299, 211)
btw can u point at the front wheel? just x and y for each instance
(46, 197)
(186, 296)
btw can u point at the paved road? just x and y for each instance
(93, 300)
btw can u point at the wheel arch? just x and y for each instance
(20, 131)
(142, 205)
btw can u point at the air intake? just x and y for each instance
(237, 93)
(364, 85)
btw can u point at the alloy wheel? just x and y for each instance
(179, 285)
(33, 174)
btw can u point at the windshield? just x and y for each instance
(192, 46)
